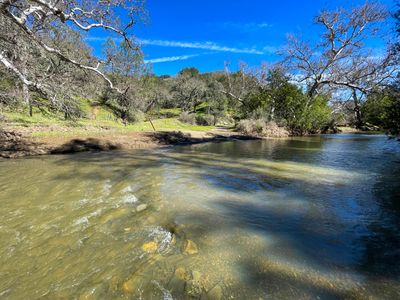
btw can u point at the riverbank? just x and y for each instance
(36, 140)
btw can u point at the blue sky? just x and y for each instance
(204, 34)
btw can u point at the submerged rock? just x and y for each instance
(179, 280)
(197, 276)
(190, 248)
(141, 207)
(150, 247)
(215, 293)
(130, 286)
(182, 274)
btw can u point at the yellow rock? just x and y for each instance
(128, 287)
(173, 240)
(181, 273)
(150, 247)
(190, 248)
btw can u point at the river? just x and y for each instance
(302, 218)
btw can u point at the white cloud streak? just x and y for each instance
(247, 27)
(211, 46)
(201, 45)
(169, 59)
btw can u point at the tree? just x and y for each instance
(123, 60)
(382, 107)
(189, 89)
(239, 84)
(27, 37)
(341, 59)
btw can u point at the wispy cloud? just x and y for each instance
(169, 59)
(201, 45)
(211, 46)
(247, 27)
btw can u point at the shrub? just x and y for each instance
(271, 129)
(72, 109)
(187, 117)
(246, 126)
(205, 120)
(261, 128)
(134, 116)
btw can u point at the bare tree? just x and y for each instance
(31, 22)
(340, 58)
(239, 84)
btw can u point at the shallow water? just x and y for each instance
(289, 219)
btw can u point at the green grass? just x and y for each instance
(97, 119)
(165, 113)
(54, 125)
(171, 124)
(202, 108)
(23, 119)
(168, 125)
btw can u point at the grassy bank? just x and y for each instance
(97, 120)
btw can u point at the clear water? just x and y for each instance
(289, 219)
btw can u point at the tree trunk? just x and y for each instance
(272, 112)
(357, 110)
(27, 98)
(152, 125)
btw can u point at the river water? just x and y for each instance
(302, 218)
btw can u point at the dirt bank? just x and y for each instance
(16, 143)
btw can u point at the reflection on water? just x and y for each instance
(300, 218)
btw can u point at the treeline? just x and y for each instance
(333, 79)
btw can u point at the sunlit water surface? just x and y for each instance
(288, 219)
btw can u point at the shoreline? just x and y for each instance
(16, 143)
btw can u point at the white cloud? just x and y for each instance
(201, 45)
(169, 59)
(247, 27)
(211, 46)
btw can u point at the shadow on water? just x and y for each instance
(321, 211)
(382, 243)
(81, 145)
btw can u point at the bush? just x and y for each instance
(134, 116)
(205, 120)
(271, 129)
(188, 118)
(72, 109)
(261, 128)
(225, 121)
(246, 126)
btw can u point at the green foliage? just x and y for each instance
(205, 120)
(375, 109)
(166, 113)
(190, 72)
(383, 109)
(188, 118)
(314, 117)
(285, 103)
